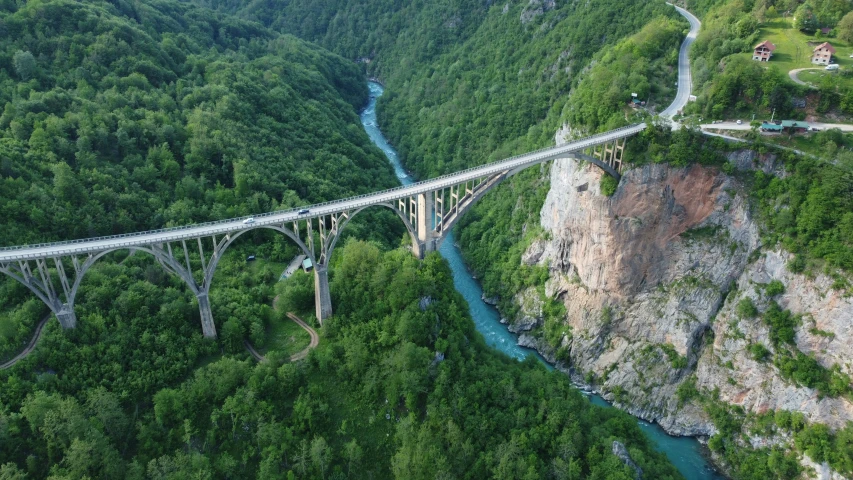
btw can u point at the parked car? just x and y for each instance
(303, 211)
(249, 221)
(250, 258)
(832, 66)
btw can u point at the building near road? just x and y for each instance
(792, 126)
(823, 54)
(307, 265)
(763, 51)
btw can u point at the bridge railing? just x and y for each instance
(431, 182)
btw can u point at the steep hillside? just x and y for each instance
(681, 309)
(121, 119)
(122, 116)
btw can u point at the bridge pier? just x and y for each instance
(208, 328)
(66, 316)
(322, 296)
(426, 226)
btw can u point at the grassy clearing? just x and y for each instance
(284, 335)
(794, 50)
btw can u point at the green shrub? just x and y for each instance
(687, 390)
(746, 308)
(797, 264)
(608, 185)
(759, 352)
(675, 359)
(781, 323)
(774, 288)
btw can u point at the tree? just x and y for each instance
(25, 64)
(321, 455)
(353, 455)
(804, 18)
(845, 28)
(10, 471)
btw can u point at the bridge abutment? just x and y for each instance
(322, 296)
(208, 328)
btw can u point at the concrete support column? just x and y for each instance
(425, 226)
(66, 316)
(322, 296)
(207, 325)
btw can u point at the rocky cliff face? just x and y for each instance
(650, 279)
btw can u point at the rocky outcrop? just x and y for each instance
(536, 8)
(620, 451)
(650, 279)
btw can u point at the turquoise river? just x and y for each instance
(684, 452)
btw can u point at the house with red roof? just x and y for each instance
(823, 54)
(763, 51)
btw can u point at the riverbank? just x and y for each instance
(686, 453)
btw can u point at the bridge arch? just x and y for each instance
(330, 247)
(226, 242)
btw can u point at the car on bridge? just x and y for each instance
(304, 211)
(249, 221)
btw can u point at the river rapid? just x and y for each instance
(684, 452)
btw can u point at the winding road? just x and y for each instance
(99, 244)
(33, 342)
(315, 339)
(794, 76)
(685, 79)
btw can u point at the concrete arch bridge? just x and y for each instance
(429, 210)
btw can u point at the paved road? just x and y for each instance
(292, 267)
(685, 80)
(793, 74)
(78, 247)
(844, 127)
(33, 342)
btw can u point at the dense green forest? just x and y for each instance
(505, 85)
(401, 386)
(121, 116)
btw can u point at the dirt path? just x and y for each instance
(793, 74)
(254, 352)
(315, 339)
(31, 345)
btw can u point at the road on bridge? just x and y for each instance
(100, 244)
(502, 168)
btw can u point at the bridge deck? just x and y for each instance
(77, 247)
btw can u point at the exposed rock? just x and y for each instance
(821, 471)
(439, 357)
(490, 300)
(534, 252)
(536, 8)
(531, 307)
(620, 451)
(425, 302)
(751, 160)
(665, 260)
